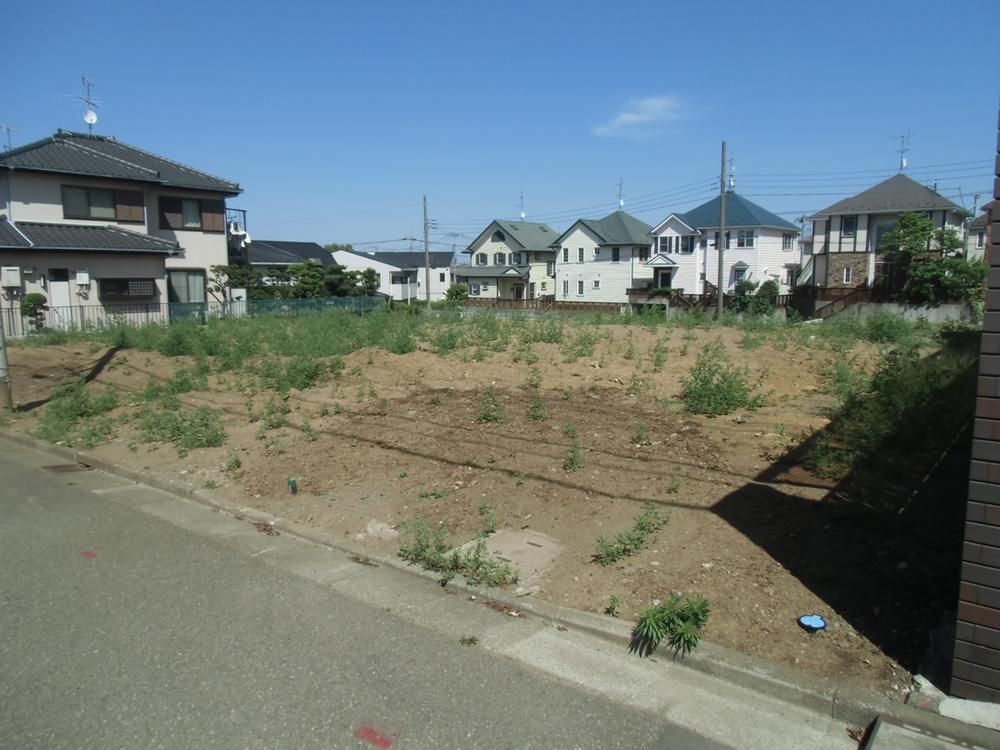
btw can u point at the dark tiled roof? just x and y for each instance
(10, 237)
(103, 156)
(532, 236)
(62, 237)
(983, 219)
(898, 193)
(740, 212)
(618, 228)
(282, 252)
(439, 259)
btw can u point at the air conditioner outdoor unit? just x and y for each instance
(10, 276)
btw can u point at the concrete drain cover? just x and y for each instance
(66, 468)
(531, 552)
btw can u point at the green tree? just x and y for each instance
(307, 280)
(334, 247)
(368, 282)
(457, 293)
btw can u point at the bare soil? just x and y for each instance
(391, 436)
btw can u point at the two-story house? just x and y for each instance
(978, 235)
(599, 260)
(759, 246)
(91, 222)
(847, 236)
(510, 260)
(402, 274)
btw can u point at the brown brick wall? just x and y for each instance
(839, 261)
(976, 664)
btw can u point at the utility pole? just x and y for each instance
(6, 400)
(720, 243)
(427, 257)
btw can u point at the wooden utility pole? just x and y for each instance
(427, 257)
(6, 400)
(720, 243)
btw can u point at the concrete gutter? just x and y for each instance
(853, 706)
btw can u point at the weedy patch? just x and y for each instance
(536, 409)
(626, 543)
(429, 548)
(186, 429)
(716, 386)
(640, 435)
(614, 604)
(490, 407)
(677, 621)
(76, 416)
(573, 459)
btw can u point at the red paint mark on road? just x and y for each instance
(89, 554)
(373, 736)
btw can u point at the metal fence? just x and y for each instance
(91, 317)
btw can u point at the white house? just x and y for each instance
(759, 246)
(977, 237)
(401, 274)
(94, 223)
(599, 260)
(847, 235)
(510, 260)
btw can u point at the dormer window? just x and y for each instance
(499, 236)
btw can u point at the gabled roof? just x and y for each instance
(406, 259)
(617, 228)
(679, 217)
(532, 236)
(102, 156)
(660, 260)
(492, 272)
(983, 219)
(898, 193)
(283, 252)
(71, 237)
(740, 212)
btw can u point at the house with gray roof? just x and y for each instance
(510, 260)
(402, 274)
(848, 234)
(265, 254)
(91, 222)
(978, 232)
(759, 246)
(599, 260)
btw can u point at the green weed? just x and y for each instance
(490, 407)
(676, 620)
(716, 386)
(629, 542)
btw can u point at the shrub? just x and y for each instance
(679, 621)
(716, 386)
(33, 307)
(490, 407)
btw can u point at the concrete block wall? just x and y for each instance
(976, 664)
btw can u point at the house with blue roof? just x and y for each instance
(759, 246)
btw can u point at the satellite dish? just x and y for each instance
(90, 117)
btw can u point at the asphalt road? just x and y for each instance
(130, 618)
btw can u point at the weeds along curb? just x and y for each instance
(852, 706)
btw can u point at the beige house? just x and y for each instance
(101, 227)
(510, 260)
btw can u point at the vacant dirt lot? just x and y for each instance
(390, 436)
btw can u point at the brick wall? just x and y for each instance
(976, 666)
(839, 261)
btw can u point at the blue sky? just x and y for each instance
(336, 118)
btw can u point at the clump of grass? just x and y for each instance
(845, 379)
(581, 345)
(75, 416)
(298, 373)
(490, 408)
(716, 386)
(659, 355)
(310, 432)
(640, 435)
(569, 430)
(489, 517)
(187, 429)
(436, 400)
(432, 494)
(536, 409)
(629, 542)
(675, 484)
(233, 463)
(523, 351)
(533, 381)
(573, 459)
(614, 604)
(429, 548)
(383, 407)
(677, 620)
(636, 386)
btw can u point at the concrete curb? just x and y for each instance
(853, 706)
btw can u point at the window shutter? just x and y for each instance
(213, 215)
(129, 206)
(170, 213)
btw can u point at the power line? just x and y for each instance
(867, 171)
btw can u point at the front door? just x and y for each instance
(61, 313)
(518, 291)
(663, 277)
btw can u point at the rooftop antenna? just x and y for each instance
(904, 148)
(522, 206)
(7, 129)
(621, 199)
(90, 102)
(732, 175)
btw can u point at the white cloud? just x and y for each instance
(642, 116)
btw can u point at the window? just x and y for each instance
(848, 274)
(616, 255)
(498, 236)
(787, 241)
(565, 288)
(441, 277)
(565, 255)
(579, 255)
(687, 244)
(531, 290)
(125, 288)
(579, 288)
(192, 214)
(728, 240)
(399, 279)
(482, 259)
(474, 289)
(186, 286)
(643, 253)
(848, 226)
(744, 238)
(499, 259)
(100, 203)
(597, 283)
(550, 268)
(538, 256)
(543, 286)
(739, 274)
(516, 259)
(980, 238)
(790, 273)
(485, 286)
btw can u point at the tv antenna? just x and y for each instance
(7, 129)
(90, 102)
(904, 147)
(522, 206)
(732, 175)
(621, 194)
